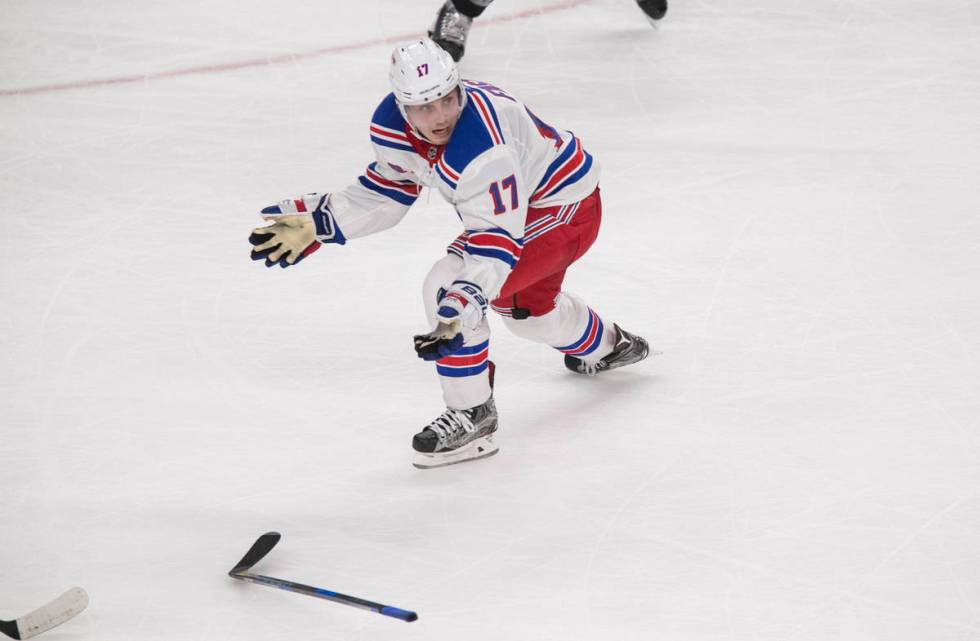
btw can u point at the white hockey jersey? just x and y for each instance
(500, 161)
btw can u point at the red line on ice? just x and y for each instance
(272, 60)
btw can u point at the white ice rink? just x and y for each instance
(791, 214)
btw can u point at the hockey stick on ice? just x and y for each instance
(264, 545)
(44, 618)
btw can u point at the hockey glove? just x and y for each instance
(462, 306)
(444, 340)
(292, 236)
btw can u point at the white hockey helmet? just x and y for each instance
(422, 71)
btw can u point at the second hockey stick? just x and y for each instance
(46, 617)
(264, 545)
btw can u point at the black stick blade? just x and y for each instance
(262, 546)
(10, 629)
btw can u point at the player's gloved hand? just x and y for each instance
(462, 306)
(292, 236)
(444, 340)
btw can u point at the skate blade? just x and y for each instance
(480, 448)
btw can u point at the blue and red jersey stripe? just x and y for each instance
(548, 222)
(458, 246)
(388, 137)
(484, 109)
(405, 192)
(571, 164)
(446, 172)
(494, 243)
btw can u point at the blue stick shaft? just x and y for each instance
(329, 595)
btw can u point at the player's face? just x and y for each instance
(435, 120)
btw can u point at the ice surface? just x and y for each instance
(790, 214)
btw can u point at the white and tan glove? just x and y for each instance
(462, 306)
(292, 235)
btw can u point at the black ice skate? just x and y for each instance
(450, 30)
(457, 436)
(629, 349)
(655, 9)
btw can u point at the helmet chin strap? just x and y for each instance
(418, 133)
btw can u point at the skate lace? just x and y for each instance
(451, 25)
(450, 424)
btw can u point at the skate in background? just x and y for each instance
(454, 19)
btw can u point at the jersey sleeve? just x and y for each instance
(378, 200)
(491, 200)
(382, 195)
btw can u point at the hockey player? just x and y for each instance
(455, 17)
(528, 197)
